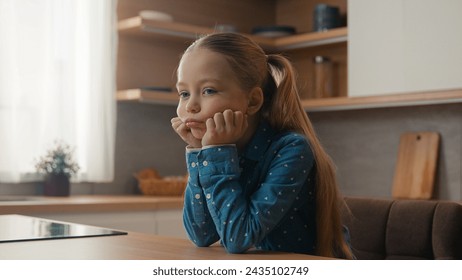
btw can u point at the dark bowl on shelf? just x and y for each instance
(273, 31)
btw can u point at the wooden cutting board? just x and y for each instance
(416, 165)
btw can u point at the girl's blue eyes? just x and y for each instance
(206, 91)
(183, 94)
(209, 91)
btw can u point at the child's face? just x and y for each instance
(207, 85)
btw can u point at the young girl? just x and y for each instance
(258, 176)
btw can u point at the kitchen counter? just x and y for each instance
(160, 215)
(86, 203)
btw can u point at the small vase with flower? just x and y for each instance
(58, 167)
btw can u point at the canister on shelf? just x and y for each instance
(325, 17)
(322, 77)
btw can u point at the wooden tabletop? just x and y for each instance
(133, 246)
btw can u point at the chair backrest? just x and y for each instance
(404, 229)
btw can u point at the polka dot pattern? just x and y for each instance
(263, 197)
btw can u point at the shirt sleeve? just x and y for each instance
(196, 217)
(240, 221)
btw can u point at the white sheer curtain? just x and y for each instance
(57, 82)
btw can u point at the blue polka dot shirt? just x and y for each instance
(263, 197)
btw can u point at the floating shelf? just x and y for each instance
(147, 96)
(383, 101)
(313, 39)
(321, 104)
(138, 26)
(142, 27)
(181, 32)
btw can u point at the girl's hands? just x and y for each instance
(185, 133)
(225, 128)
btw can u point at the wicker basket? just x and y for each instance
(150, 183)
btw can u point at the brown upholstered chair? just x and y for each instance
(404, 229)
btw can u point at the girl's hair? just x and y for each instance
(282, 108)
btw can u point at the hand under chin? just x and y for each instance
(198, 133)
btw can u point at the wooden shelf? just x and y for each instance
(186, 32)
(179, 31)
(306, 40)
(383, 101)
(147, 96)
(322, 104)
(142, 27)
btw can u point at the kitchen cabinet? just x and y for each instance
(161, 43)
(160, 222)
(404, 46)
(177, 31)
(160, 215)
(164, 37)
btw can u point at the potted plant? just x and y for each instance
(58, 167)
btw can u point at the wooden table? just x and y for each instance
(133, 246)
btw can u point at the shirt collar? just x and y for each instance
(259, 142)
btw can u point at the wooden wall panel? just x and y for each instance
(144, 62)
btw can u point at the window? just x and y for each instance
(57, 82)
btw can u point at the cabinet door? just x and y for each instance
(170, 223)
(167, 222)
(401, 46)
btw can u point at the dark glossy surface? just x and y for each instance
(24, 228)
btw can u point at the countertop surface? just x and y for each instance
(86, 203)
